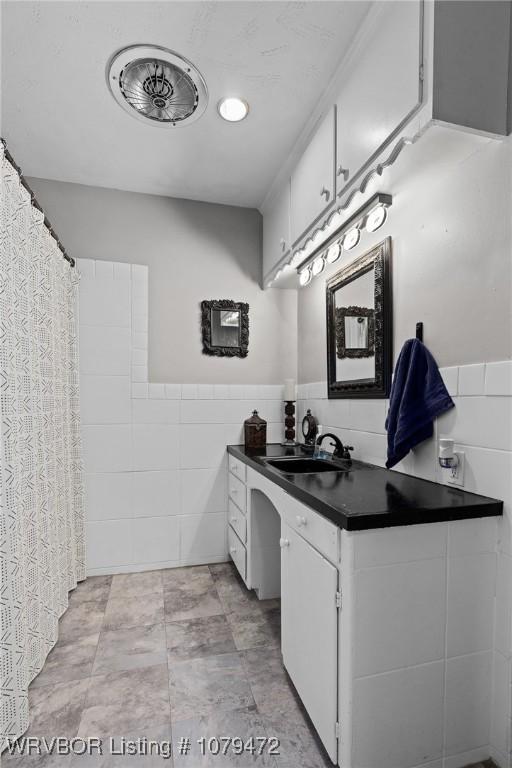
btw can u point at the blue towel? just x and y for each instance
(418, 396)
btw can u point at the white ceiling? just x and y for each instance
(62, 123)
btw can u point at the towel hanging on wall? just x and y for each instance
(418, 396)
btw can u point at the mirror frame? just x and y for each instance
(206, 326)
(379, 259)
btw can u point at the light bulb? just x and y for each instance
(376, 218)
(351, 239)
(318, 266)
(333, 253)
(305, 276)
(233, 109)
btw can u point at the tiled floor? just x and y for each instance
(185, 653)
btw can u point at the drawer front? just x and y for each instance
(237, 467)
(237, 521)
(237, 491)
(237, 552)
(318, 531)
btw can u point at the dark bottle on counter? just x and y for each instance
(255, 432)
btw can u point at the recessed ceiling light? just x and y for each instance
(233, 109)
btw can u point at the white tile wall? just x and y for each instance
(468, 702)
(409, 595)
(437, 582)
(382, 701)
(481, 425)
(154, 453)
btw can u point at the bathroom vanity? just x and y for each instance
(386, 585)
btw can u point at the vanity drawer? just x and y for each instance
(237, 521)
(237, 467)
(237, 552)
(237, 491)
(322, 534)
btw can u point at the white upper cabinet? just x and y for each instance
(381, 87)
(276, 228)
(312, 184)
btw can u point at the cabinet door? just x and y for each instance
(276, 228)
(381, 88)
(312, 185)
(310, 631)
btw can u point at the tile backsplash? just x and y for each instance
(154, 453)
(481, 425)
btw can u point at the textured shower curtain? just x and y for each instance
(41, 510)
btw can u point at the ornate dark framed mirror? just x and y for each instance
(359, 332)
(225, 328)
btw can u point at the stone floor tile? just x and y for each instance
(192, 601)
(123, 702)
(68, 660)
(193, 638)
(242, 724)
(256, 629)
(136, 584)
(94, 588)
(271, 687)
(209, 684)
(81, 619)
(298, 745)
(192, 577)
(145, 610)
(55, 710)
(131, 648)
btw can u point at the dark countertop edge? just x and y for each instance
(491, 508)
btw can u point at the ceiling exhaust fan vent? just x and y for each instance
(157, 85)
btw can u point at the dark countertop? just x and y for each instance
(368, 496)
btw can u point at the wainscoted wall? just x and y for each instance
(154, 453)
(481, 423)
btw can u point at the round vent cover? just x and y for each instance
(156, 85)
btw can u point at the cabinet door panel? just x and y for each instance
(309, 631)
(276, 228)
(312, 185)
(381, 89)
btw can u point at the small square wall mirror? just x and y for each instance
(225, 328)
(359, 326)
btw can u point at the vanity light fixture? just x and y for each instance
(318, 266)
(233, 109)
(305, 276)
(334, 252)
(351, 239)
(376, 218)
(310, 261)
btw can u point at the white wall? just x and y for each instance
(195, 251)
(154, 453)
(450, 224)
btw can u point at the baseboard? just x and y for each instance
(139, 567)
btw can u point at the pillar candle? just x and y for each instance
(289, 389)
